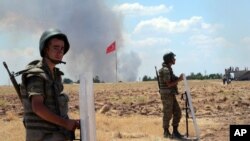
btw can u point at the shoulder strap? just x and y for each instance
(30, 66)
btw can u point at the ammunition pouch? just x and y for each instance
(63, 100)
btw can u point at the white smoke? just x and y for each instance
(90, 26)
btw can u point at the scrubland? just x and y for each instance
(132, 111)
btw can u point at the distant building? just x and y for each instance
(237, 74)
(242, 75)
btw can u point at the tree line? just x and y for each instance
(192, 76)
(96, 79)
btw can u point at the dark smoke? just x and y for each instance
(130, 64)
(90, 25)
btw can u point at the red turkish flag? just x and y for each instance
(111, 48)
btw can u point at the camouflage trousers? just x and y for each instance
(35, 135)
(171, 109)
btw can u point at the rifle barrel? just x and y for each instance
(14, 82)
(158, 79)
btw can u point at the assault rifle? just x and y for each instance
(158, 79)
(14, 82)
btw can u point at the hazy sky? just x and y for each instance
(207, 36)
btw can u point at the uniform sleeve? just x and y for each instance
(35, 86)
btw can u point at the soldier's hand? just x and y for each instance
(78, 125)
(71, 125)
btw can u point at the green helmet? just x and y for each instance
(168, 57)
(48, 34)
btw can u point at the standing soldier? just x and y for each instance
(45, 105)
(168, 90)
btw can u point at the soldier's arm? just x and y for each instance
(175, 82)
(36, 95)
(42, 111)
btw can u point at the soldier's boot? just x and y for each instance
(166, 133)
(176, 134)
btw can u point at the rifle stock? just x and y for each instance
(158, 79)
(14, 82)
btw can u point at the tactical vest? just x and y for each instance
(54, 99)
(166, 73)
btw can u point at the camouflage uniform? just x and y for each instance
(37, 80)
(169, 102)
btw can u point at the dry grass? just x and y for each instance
(12, 130)
(126, 128)
(2, 103)
(7, 90)
(133, 128)
(217, 106)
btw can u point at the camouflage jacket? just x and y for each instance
(166, 74)
(37, 80)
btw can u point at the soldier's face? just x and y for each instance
(55, 49)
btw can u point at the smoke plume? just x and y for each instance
(90, 26)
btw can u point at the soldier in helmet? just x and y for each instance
(168, 91)
(45, 104)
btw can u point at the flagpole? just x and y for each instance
(116, 63)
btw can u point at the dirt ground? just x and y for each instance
(217, 106)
